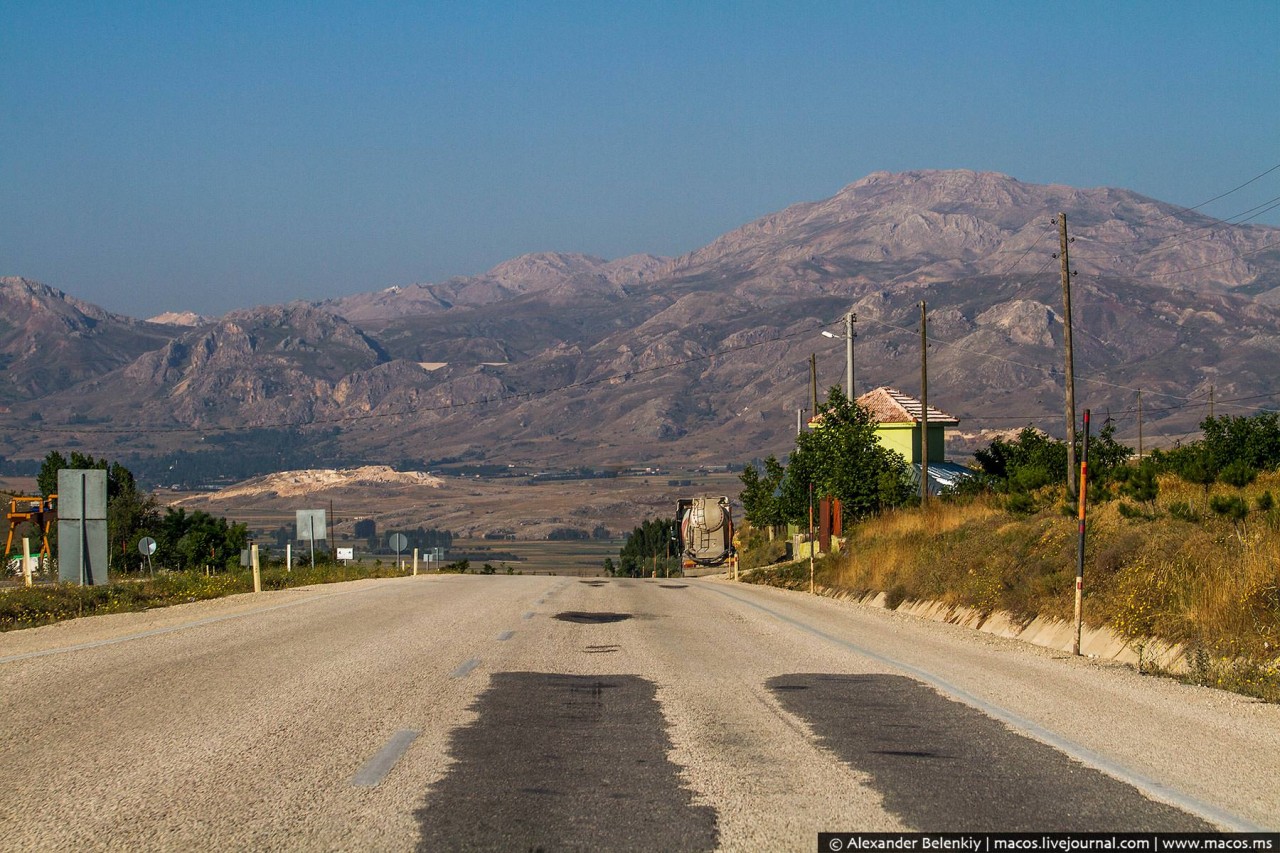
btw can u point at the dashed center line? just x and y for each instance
(466, 667)
(377, 768)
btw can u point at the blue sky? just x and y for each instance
(206, 157)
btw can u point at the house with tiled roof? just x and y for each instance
(898, 418)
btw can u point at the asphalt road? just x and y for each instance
(555, 713)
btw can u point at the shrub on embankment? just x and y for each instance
(1178, 568)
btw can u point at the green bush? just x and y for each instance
(1232, 507)
(1238, 473)
(1020, 503)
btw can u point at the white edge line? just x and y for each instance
(1088, 757)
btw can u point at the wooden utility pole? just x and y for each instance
(848, 342)
(1070, 360)
(1139, 424)
(1211, 402)
(924, 408)
(813, 380)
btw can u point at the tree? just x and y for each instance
(647, 547)
(47, 479)
(842, 458)
(760, 494)
(190, 541)
(1031, 460)
(131, 514)
(1254, 441)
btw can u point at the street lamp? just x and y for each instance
(848, 337)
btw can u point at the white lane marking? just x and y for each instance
(466, 667)
(377, 768)
(506, 635)
(1155, 790)
(155, 632)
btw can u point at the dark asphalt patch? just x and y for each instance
(601, 650)
(943, 766)
(587, 618)
(594, 583)
(673, 586)
(564, 762)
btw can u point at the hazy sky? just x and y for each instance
(211, 156)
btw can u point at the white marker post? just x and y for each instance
(288, 557)
(253, 561)
(26, 560)
(415, 562)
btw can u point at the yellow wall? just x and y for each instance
(904, 438)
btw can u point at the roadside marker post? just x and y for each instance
(1084, 469)
(26, 561)
(253, 562)
(288, 557)
(415, 562)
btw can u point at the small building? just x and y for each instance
(898, 417)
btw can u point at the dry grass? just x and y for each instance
(1209, 583)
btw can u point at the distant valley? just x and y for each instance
(555, 361)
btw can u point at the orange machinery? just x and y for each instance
(38, 510)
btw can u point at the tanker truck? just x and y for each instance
(706, 530)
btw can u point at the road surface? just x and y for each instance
(520, 712)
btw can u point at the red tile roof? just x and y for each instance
(891, 406)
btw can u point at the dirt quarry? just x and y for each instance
(522, 508)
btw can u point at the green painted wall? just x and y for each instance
(905, 439)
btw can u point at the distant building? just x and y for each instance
(366, 528)
(898, 428)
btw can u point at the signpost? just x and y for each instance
(147, 547)
(398, 541)
(311, 527)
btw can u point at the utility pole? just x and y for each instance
(1210, 402)
(1070, 361)
(813, 380)
(1084, 487)
(848, 343)
(924, 408)
(799, 420)
(1139, 424)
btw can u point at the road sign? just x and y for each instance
(146, 546)
(82, 526)
(398, 542)
(311, 524)
(346, 553)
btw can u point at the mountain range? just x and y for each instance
(556, 360)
